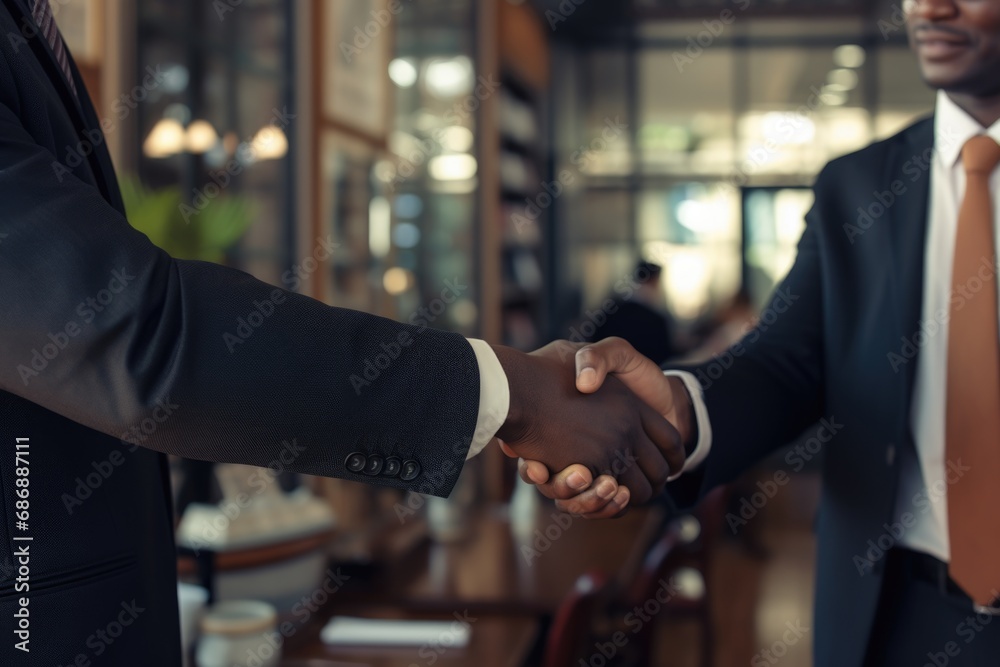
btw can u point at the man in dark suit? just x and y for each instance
(636, 313)
(108, 343)
(890, 356)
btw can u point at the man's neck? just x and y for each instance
(985, 110)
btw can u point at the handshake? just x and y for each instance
(597, 426)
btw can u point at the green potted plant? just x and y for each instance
(203, 232)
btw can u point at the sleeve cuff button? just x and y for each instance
(392, 467)
(411, 469)
(356, 462)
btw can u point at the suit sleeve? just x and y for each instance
(766, 389)
(203, 361)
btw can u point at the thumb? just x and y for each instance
(594, 362)
(615, 356)
(591, 368)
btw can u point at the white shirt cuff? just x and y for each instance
(704, 445)
(494, 396)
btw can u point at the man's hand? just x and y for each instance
(572, 487)
(606, 430)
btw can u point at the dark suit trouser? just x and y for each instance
(919, 625)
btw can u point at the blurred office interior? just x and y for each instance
(499, 168)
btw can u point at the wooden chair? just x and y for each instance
(687, 541)
(571, 635)
(660, 562)
(696, 552)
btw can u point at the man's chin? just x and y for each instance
(954, 86)
(959, 81)
(938, 77)
(943, 79)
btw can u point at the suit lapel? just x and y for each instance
(79, 108)
(100, 159)
(909, 163)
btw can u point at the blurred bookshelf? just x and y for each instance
(219, 119)
(527, 190)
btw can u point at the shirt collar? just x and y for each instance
(953, 127)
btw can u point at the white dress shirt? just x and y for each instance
(924, 474)
(494, 396)
(923, 485)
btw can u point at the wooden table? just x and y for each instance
(494, 642)
(511, 579)
(502, 570)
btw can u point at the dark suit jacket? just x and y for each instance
(103, 335)
(831, 346)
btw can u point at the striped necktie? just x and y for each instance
(42, 11)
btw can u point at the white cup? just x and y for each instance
(239, 633)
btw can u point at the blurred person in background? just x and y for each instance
(724, 330)
(883, 342)
(638, 315)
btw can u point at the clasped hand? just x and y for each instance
(602, 417)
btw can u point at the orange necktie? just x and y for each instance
(973, 398)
